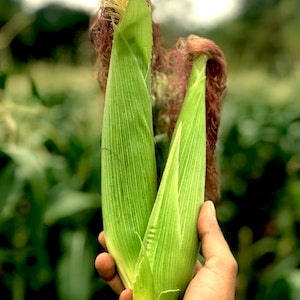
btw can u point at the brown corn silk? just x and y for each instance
(173, 67)
(182, 58)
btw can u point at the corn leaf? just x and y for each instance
(171, 241)
(69, 203)
(128, 158)
(74, 270)
(163, 233)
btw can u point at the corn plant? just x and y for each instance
(151, 231)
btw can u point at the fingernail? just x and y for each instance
(211, 207)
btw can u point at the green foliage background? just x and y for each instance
(50, 124)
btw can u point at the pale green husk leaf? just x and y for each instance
(152, 238)
(128, 158)
(171, 241)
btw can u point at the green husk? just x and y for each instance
(128, 158)
(171, 241)
(151, 235)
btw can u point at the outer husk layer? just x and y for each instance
(152, 235)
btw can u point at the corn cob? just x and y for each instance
(128, 158)
(153, 235)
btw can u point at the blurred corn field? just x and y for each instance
(50, 198)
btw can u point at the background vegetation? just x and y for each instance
(50, 124)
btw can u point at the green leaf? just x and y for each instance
(143, 287)
(75, 269)
(163, 236)
(169, 295)
(11, 189)
(128, 157)
(69, 203)
(3, 77)
(293, 279)
(171, 239)
(30, 169)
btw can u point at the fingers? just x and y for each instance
(126, 295)
(198, 267)
(101, 240)
(213, 242)
(216, 278)
(106, 268)
(214, 245)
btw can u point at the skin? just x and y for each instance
(215, 280)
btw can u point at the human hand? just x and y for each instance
(215, 280)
